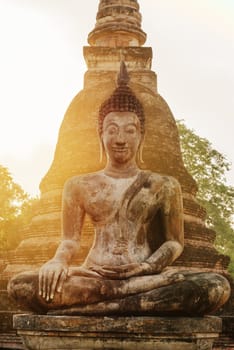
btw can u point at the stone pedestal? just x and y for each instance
(226, 339)
(126, 333)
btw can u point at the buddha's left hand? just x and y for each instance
(123, 271)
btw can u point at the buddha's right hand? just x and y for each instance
(51, 278)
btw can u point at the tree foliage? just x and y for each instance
(209, 167)
(12, 195)
(15, 210)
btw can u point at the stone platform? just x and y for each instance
(8, 336)
(226, 339)
(126, 333)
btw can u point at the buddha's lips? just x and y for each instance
(119, 149)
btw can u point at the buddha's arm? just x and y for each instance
(53, 274)
(172, 216)
(174, 231)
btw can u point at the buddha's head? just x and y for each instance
(121, 122)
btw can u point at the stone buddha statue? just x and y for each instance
(138, 221)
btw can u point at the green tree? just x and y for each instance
(209, 168)
(12, 195)
(15, 210)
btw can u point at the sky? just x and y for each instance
(42, 69)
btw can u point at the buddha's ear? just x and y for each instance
(101, 149)
(140, 150)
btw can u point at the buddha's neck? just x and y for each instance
(121, 170)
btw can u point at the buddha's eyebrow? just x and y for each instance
(132, 124)
(111, 123)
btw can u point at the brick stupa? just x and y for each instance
(117, 36)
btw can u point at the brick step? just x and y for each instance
(10, 340)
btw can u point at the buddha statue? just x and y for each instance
(138, 221)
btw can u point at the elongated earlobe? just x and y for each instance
(101, 151)
(139, 154)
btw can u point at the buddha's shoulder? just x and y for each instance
(84, 179)
(167, 180)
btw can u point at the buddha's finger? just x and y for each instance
(61, 281)
(121, 268)
(82, 272)
(54, 284)
(43, 284)
(49, 282)
(45, 274)
(113, 275)
(113, 269)
(106, 273)
(40, 284)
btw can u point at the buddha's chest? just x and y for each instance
(118, 202)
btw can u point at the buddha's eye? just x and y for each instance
(111, 130)
(130, 130)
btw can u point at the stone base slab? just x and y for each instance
(226, 339)
(42, 332)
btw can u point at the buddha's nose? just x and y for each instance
(120, 139)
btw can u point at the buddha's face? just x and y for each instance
(121, 136)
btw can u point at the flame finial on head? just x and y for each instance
(123, 77)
